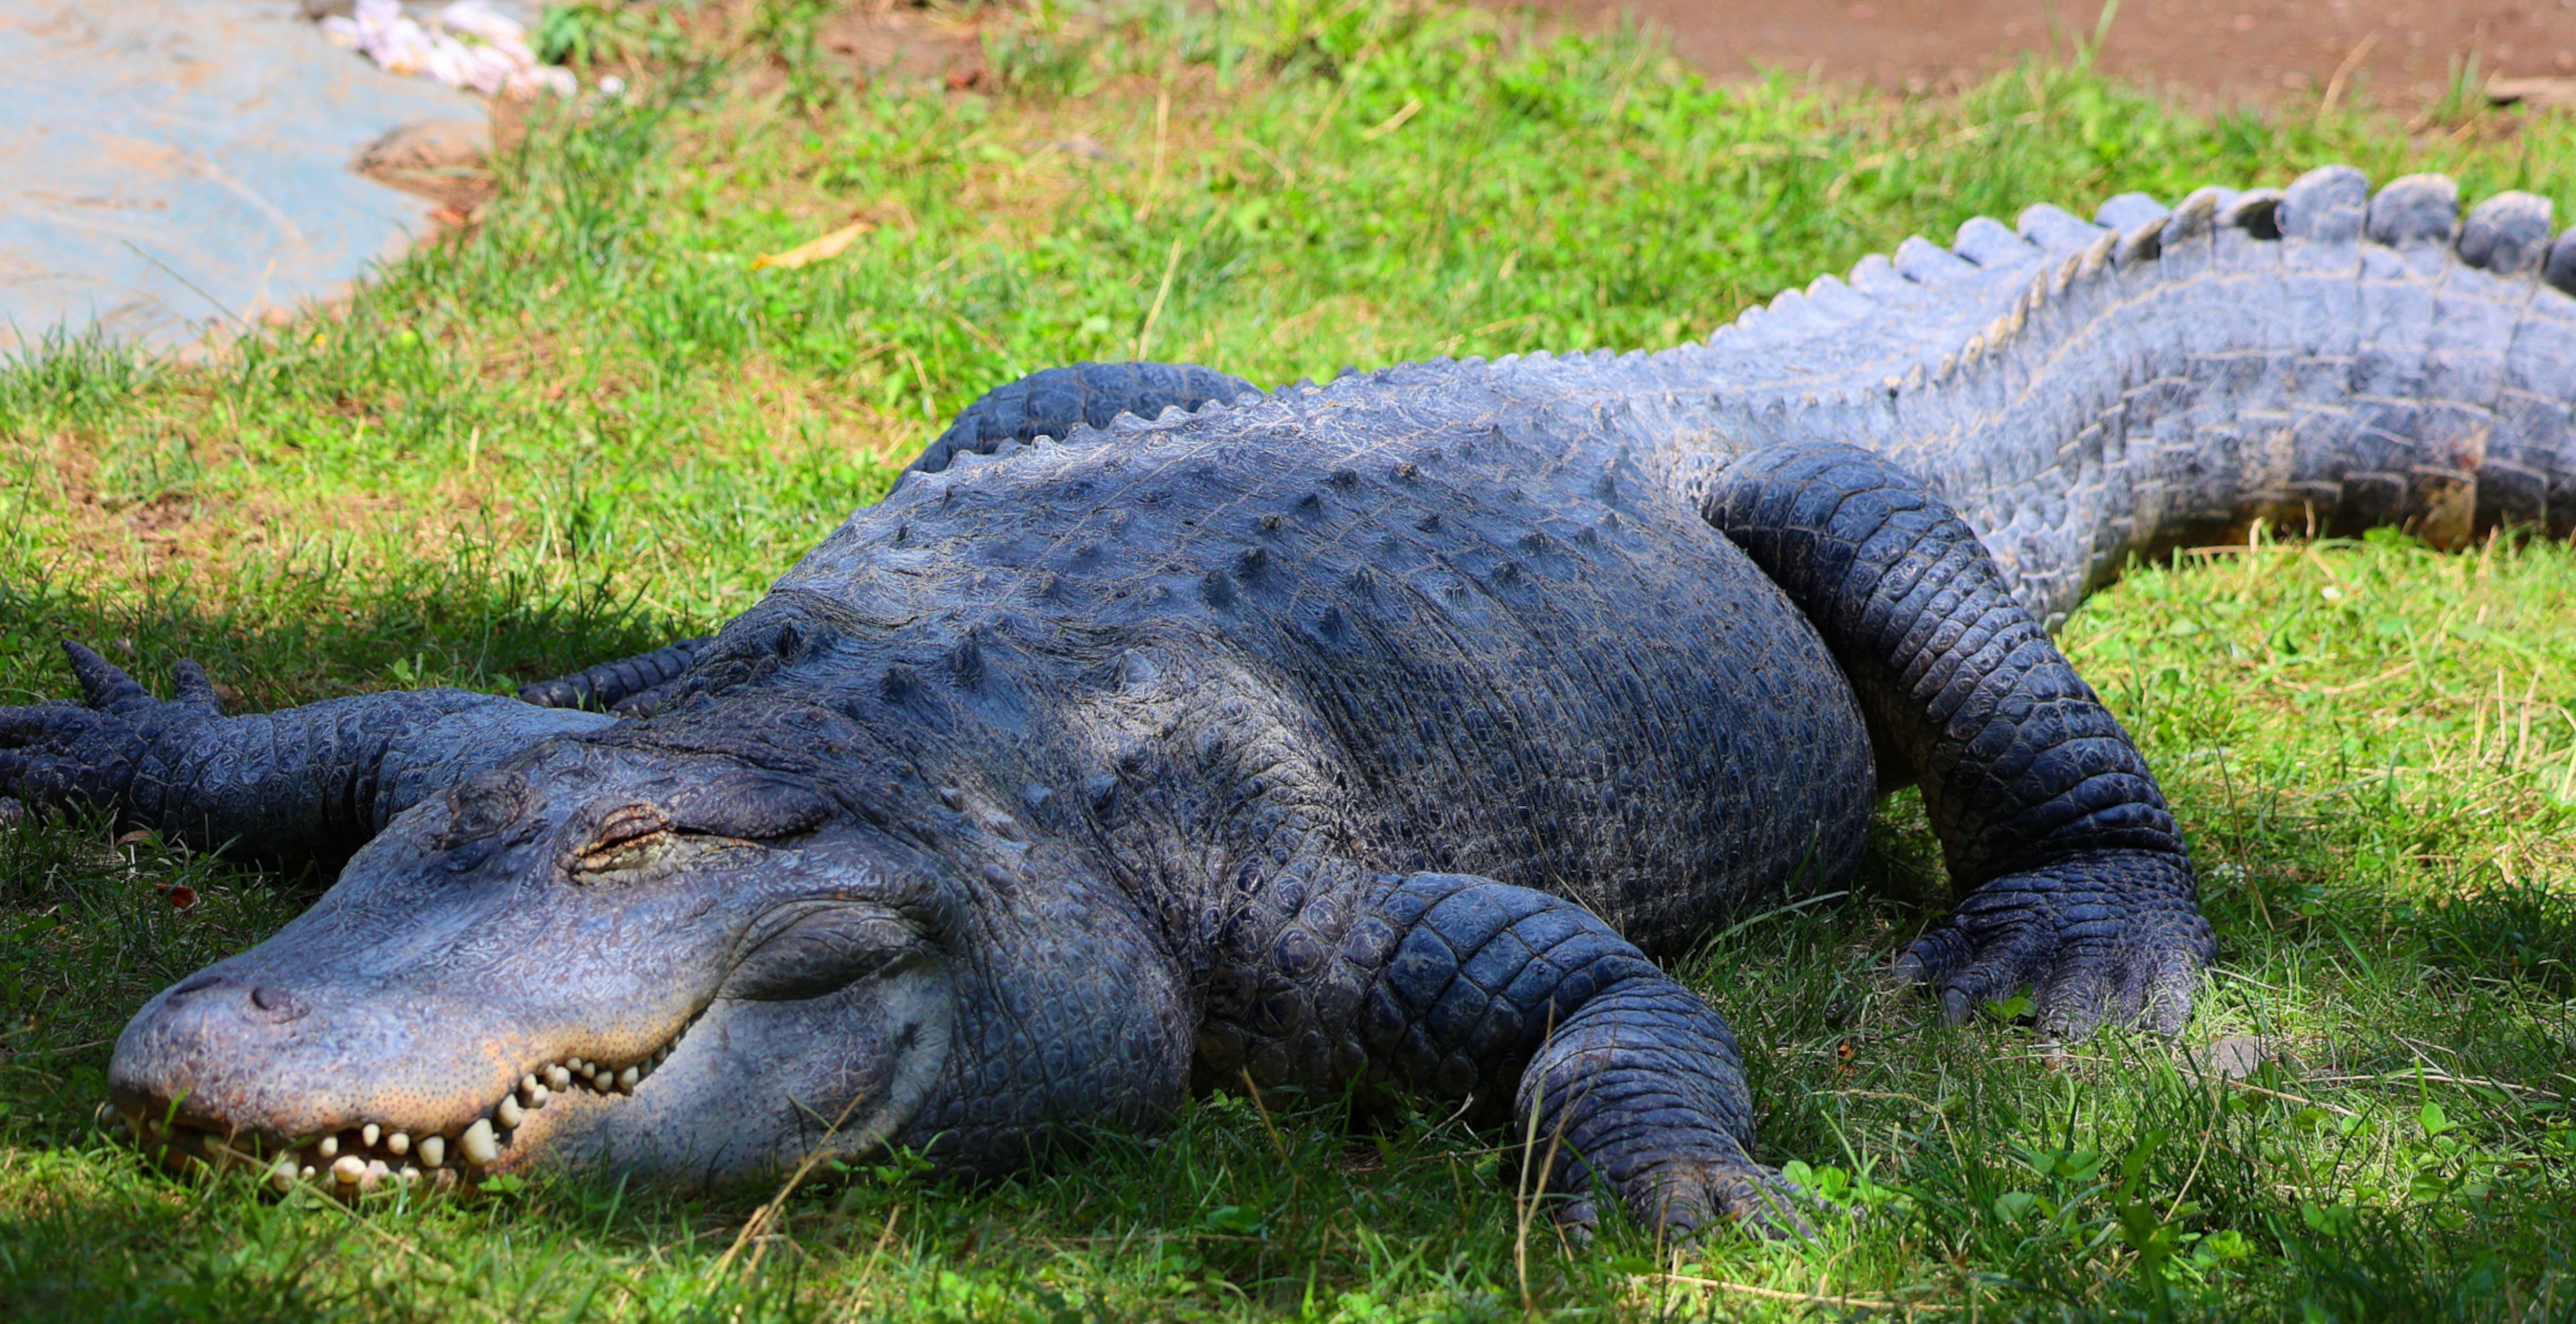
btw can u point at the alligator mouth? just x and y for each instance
(369, 1155)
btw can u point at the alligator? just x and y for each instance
(1376, 737)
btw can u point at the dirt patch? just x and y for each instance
(885, 43)
(2395, 54)
(2400, 54)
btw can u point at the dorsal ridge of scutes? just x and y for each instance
(1926, 317)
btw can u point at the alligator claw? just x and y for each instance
(2091, 950)
(190, 685)
(104, 685)
(1686, 1198)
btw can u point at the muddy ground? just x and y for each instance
(2398, 53)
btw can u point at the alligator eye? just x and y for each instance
(631, 838)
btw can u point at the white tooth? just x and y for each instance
(508, 1113)
(406, 1174)
(580, 1068)
(626, 1079)
(308, 1172)
(330, 1145)
(558, 1078)
(600, 1080)
(527, 1084)
(433, 1151)
(537, 1097)
(477, 1142)
(399, 1142)
(368, 1133)
(283, 1175)
(374, 1175)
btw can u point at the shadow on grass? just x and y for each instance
(96, 1235)
(325, 632)
(1266, 1211)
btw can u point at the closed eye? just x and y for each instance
(633, 838)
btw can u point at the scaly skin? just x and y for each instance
(1379, 736)
(1051, 403)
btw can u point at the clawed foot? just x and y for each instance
(2115, 938)
(1683, 1198)
(65, 753)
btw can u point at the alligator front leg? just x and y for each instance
(1622, 1080)
(2079, 882)
(306, 783)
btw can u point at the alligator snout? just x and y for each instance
(265, 1004)
(164, 1061)
(232, 1053)
(167, 1052)
(315, 1084)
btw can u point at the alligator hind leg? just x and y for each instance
(1051, 403)
(2078, 882)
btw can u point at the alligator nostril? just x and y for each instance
(277, 1002)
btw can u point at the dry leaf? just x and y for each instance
(2537, 91)
(815, 250)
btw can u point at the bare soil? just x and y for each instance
(2398, 54)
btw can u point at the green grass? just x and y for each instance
(591, 424)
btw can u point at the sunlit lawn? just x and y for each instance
(590, 425)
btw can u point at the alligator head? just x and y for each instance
(607, 949)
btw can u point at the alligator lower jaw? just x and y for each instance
(367, 1155)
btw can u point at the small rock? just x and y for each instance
(2235, 1058)
(429, 145)
(443, 160)
(1084, 146)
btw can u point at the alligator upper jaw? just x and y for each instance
(725, 1093)
(364, 1153)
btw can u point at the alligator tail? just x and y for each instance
(2088, 392)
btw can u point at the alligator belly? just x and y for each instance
(1631, 715)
